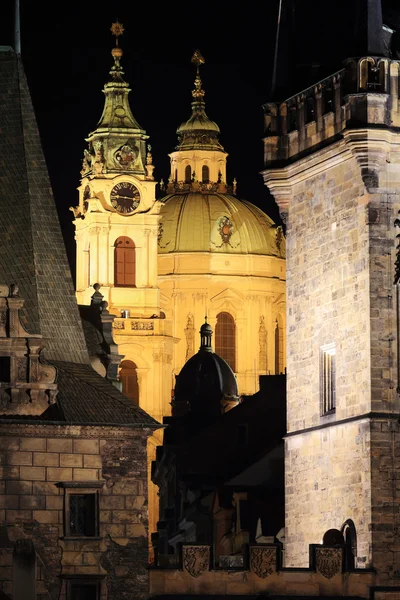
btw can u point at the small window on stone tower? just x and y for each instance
(205, 174)
(328, 378)
(188, 174)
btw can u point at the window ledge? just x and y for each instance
(81, 538)
(80, 484)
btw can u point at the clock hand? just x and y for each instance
(123, 197)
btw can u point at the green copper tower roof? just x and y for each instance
(199, 132)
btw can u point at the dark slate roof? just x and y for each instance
(32, 252)
(86, 398)
(92, 328)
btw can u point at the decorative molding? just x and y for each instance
(196, 559)
(61, 429)
(263, 560)
(142, 326)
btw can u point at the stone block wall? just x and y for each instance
(39, 463)
(328, 293)
(327, 481)
(341, 250)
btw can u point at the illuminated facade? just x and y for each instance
(163, 265)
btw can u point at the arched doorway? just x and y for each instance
(225, 338)
(129, 380)
(124, 262)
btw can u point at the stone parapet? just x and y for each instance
(325, 575)
(364, 93)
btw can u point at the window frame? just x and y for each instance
(121, 250)
(327, 377)
(222, 348)
(72, 488)
(83, 579)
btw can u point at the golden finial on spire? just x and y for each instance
(197, 58)
(117, 29)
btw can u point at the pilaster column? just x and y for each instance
(103, 269)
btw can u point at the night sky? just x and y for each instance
(66, 53)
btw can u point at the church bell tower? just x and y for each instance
(117, 217)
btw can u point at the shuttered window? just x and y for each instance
(129, 380)
(225, 338)
(124, 262)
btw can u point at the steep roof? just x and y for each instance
(32, 252)
(86, 398)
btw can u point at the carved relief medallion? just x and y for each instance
(196, 559)
(328, 561)
(126, 156)
(263, 560)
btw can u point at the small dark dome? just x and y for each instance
(206, 384)
(205, 329)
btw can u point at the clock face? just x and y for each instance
(125, 197)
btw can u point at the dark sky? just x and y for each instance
(66, 52)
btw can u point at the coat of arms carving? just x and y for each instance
(196, 559)
(225, 228)
(263, 560)
(328, 561)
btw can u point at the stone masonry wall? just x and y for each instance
(340, 269)
(327, 471)
(327, 480)
(33, 460)
(328, 293)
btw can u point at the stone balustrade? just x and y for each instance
(365, 92)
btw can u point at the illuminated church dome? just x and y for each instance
(201, 212)
(212, 222)
(220, 256)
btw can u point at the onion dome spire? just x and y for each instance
(199, 132)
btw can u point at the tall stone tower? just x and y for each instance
(332, 162)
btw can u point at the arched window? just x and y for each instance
(176, 176)
(188, 174)
(225, 338)
(350, 541)
(129, 380)
(205, 174)
(124, 262)
(278, 349)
